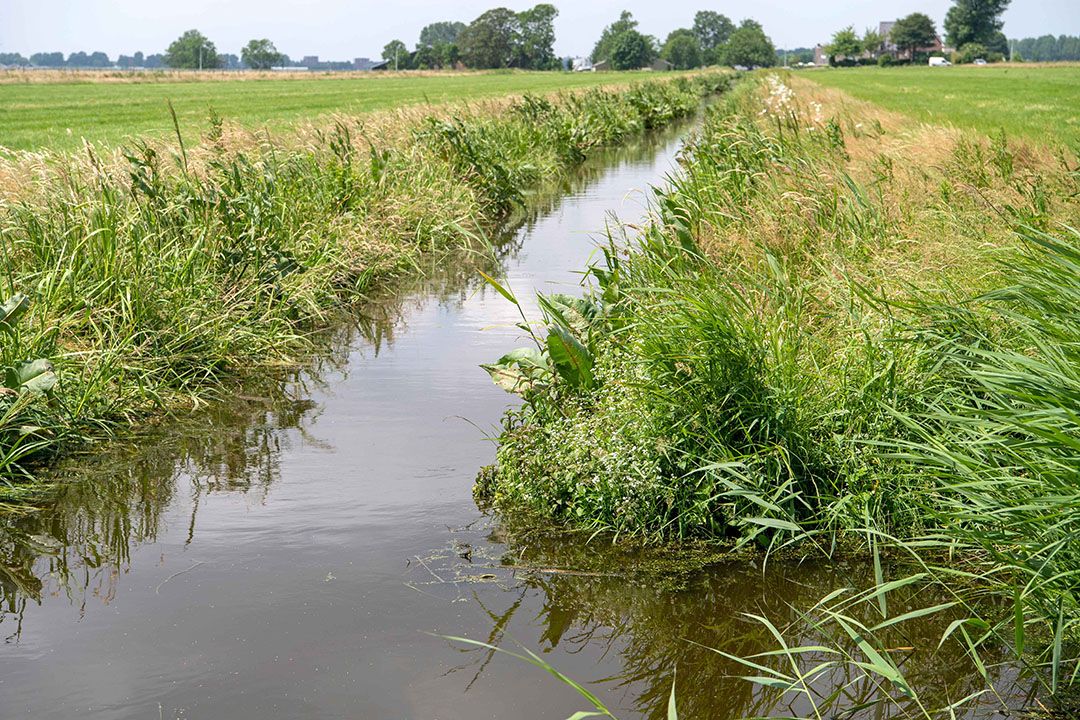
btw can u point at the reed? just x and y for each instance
(838, 334)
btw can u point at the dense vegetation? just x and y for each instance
(837, 335)
(138, 283)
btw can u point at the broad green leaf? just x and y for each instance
(12, 309)
(572, 360)
(35, 376)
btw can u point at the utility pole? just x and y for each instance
(200, 57)
(395, 58)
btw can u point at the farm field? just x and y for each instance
(1040, 102)
(59, 114)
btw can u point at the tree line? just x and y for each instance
(1046, 48)
(713, 39)
(972, 27)
(498, 38)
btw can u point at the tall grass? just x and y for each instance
(154, 275)
(827, 342)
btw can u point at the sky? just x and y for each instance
(346, 29)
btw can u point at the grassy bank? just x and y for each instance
(1037, 101)
(842, 331)
(102, 108)
(135, 283)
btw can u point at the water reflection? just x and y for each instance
(667, 627)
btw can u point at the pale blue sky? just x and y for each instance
(344, 29)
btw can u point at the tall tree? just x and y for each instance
(682, 49)
(47, 59)
(625, 23)
(536, 38)
(491, 40)
(631, 50)
(192, 50)
(712, 30)
(872, 41)
(749, 46)
(439, 33)
(260, 54)
(913, 32)
(397, 54)
(845, 44)
(976, 21)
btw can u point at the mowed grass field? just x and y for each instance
(1040, 102)
(58, 115)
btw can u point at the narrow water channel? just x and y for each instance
(298, 554)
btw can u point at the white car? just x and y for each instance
(939, 62)
(979, 61)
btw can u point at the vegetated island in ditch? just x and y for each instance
(842, 332)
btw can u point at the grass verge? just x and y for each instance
(1040, 102)
(840, 330)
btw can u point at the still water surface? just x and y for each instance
(297, 553)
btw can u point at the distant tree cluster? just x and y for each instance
(794, 56)
(712, 40)
(77, 60)
(973, 27)
(499, 38)
(1044, 49)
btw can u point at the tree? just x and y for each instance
(13, 59)
(970, 53)
(631, 50)
(260, 55)
(192, 50)
(712, 30)
(395, 53)
(749, 46)
(976, 21)
(536, 38)
(47, 59)
(682, 49)
(625, 23)
(446, 54)
(872, 41)
(845, 44)
(440, 33)
(913, 32)
(491, 40)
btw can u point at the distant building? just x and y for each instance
(310, 62)
(383, 65)
(820, 58)
(885, 28)
(581, 64)
(661, 65)
(363, 63)
(602, 66)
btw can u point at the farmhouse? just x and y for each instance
(888, 47)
